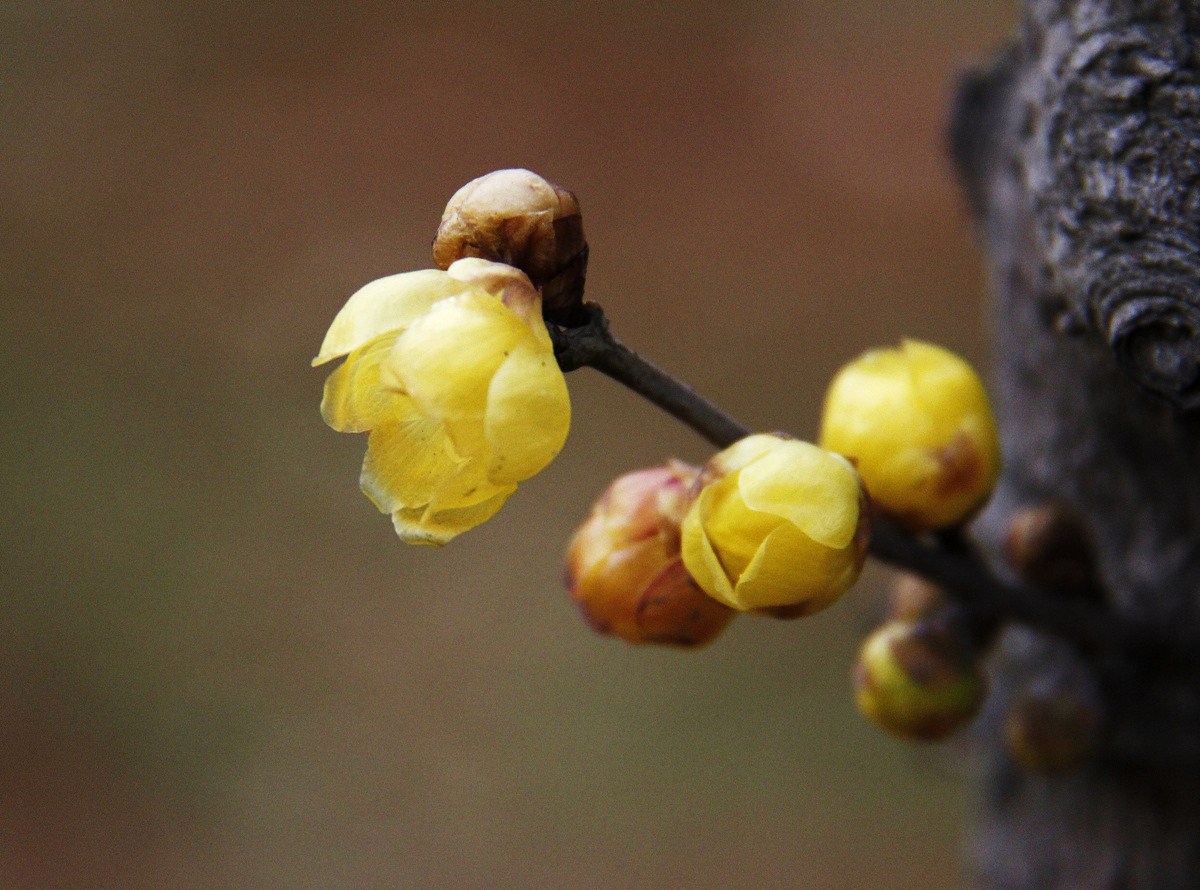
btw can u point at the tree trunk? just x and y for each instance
(1080, 153)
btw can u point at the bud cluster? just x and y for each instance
(670, 554)
(453, 373)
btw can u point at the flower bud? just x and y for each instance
(918, 680)
(1052, 727)
(519, 218)
(776, 523)
(624, 568)
(912, 598)
(917, 424)
(1049, 546)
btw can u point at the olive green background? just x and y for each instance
(218, 665)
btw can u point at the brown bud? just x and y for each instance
(911, 597)
(624, 568)
(1053, 727)
(918, 680)
(1050, 546)
(519, 218)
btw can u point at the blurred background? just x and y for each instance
(218, 665)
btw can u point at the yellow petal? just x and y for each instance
(354, 399)
(445, 360)
(440, 526)
(735, 531)
(791, 568)
(700, 558)
(468, 487)
(743, 452)
(528, 413)
(387, 304)
(408, 460)
(917, 422)
(509, 285)
(815, 490)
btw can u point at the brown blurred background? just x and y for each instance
(220, 668)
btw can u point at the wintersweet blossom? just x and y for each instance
(917, 423)
(778, 522)
(454, 376)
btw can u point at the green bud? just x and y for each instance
(918, 680)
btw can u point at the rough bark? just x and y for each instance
(1080, 152)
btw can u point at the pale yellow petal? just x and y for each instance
(700, 558)
(387, 304)
(468, 487)
(437, 527)
(791, 568)
(528, 413)
(408, 460)
(743, 451)
(815, 490)
(874, 392)
(508, 284)
(445, 360)
(355, 400)
(734, 530)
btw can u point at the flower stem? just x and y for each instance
(593, 345)
(1096, 632)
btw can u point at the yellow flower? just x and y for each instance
(917, 423)
(778, 522)
(454, 375)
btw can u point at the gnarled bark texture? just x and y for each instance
(1080, 151)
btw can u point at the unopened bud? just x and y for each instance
(1053, 727)
(624, 568)
(918, 680)
(1050, 546)
(777, 523)
(519, 218)
(917, 424)
(912, 598)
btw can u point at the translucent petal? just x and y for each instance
(467, 487)
(528, 413)
(440, 526)
(872, 393)
(791, 568)
(736, 531)
(743, 451)
(355, 400)
(509, 285)
(815, 490)
(387, 304)
(700, 558)
(445, 360)
(408, 460)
